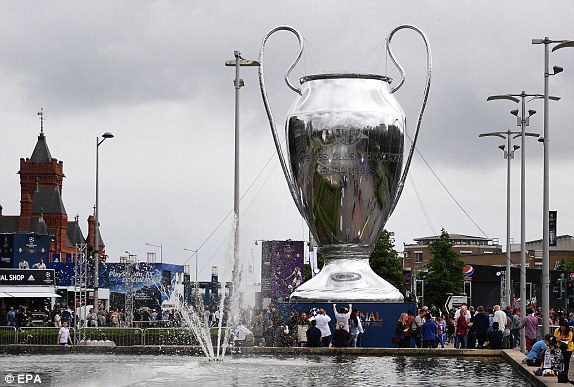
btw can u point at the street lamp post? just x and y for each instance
(523, 121)
(237, 63)
(196, 259)
(508, 155)
(160, 246)
(96, 247)
(546, 189)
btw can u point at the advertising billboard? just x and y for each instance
(281, 268)
(23, 248)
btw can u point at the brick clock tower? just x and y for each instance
(41, 180)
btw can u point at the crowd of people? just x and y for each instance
(265, 327)
(495, 328)
(24, 316)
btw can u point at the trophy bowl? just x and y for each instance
(344, 167)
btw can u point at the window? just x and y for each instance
(418, 257)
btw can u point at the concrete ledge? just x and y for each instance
(195, 350)
(514, 358)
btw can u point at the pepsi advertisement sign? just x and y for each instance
(468, 272)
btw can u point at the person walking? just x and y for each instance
(64, 334)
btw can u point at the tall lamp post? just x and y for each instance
(523, 121)
(238, 82)
(546, 186)
(99, 142)
(160, 246)
(196, 258)
(508, 155)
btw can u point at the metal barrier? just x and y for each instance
(169, 336)
(120, 336)
(8, 335)
(39, 335)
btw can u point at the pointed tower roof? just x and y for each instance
(47, 200)
(41, 227)
(41, 152)
(75, 235)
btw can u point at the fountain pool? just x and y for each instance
(310, 370)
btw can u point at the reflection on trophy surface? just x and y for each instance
(345, 171)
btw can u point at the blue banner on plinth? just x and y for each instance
(378, 320)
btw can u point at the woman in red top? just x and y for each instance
(461, 329)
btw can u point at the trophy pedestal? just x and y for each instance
(346, 277)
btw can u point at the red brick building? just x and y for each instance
(42, 209)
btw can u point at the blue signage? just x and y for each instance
(23, 249)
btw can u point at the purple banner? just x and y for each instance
(282, 268)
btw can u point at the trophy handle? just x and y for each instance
(288, 174)
(425, 97)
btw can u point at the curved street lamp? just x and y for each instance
(96, 251)
(546, 190)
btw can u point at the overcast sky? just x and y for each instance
(153, 74)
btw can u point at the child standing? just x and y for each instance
(64, 334)
(441, 330)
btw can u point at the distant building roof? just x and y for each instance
(11, 224)
(41, 152)
(74, 235)
(454, 237)
(47, 199)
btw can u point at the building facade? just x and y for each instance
(42, 230)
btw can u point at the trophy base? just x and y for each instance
(346, 280)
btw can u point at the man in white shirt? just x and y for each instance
(323, 324)
(343, 315)
(241, 335)
(39, 265)
(500, 317)
(457, 314)
(64, 334)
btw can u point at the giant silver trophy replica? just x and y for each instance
(345, 147)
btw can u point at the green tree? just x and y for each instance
(444, 271)
(385, 261)
(567, 265)
(307, 268)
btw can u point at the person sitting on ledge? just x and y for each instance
(553, 362)
(536, 353)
